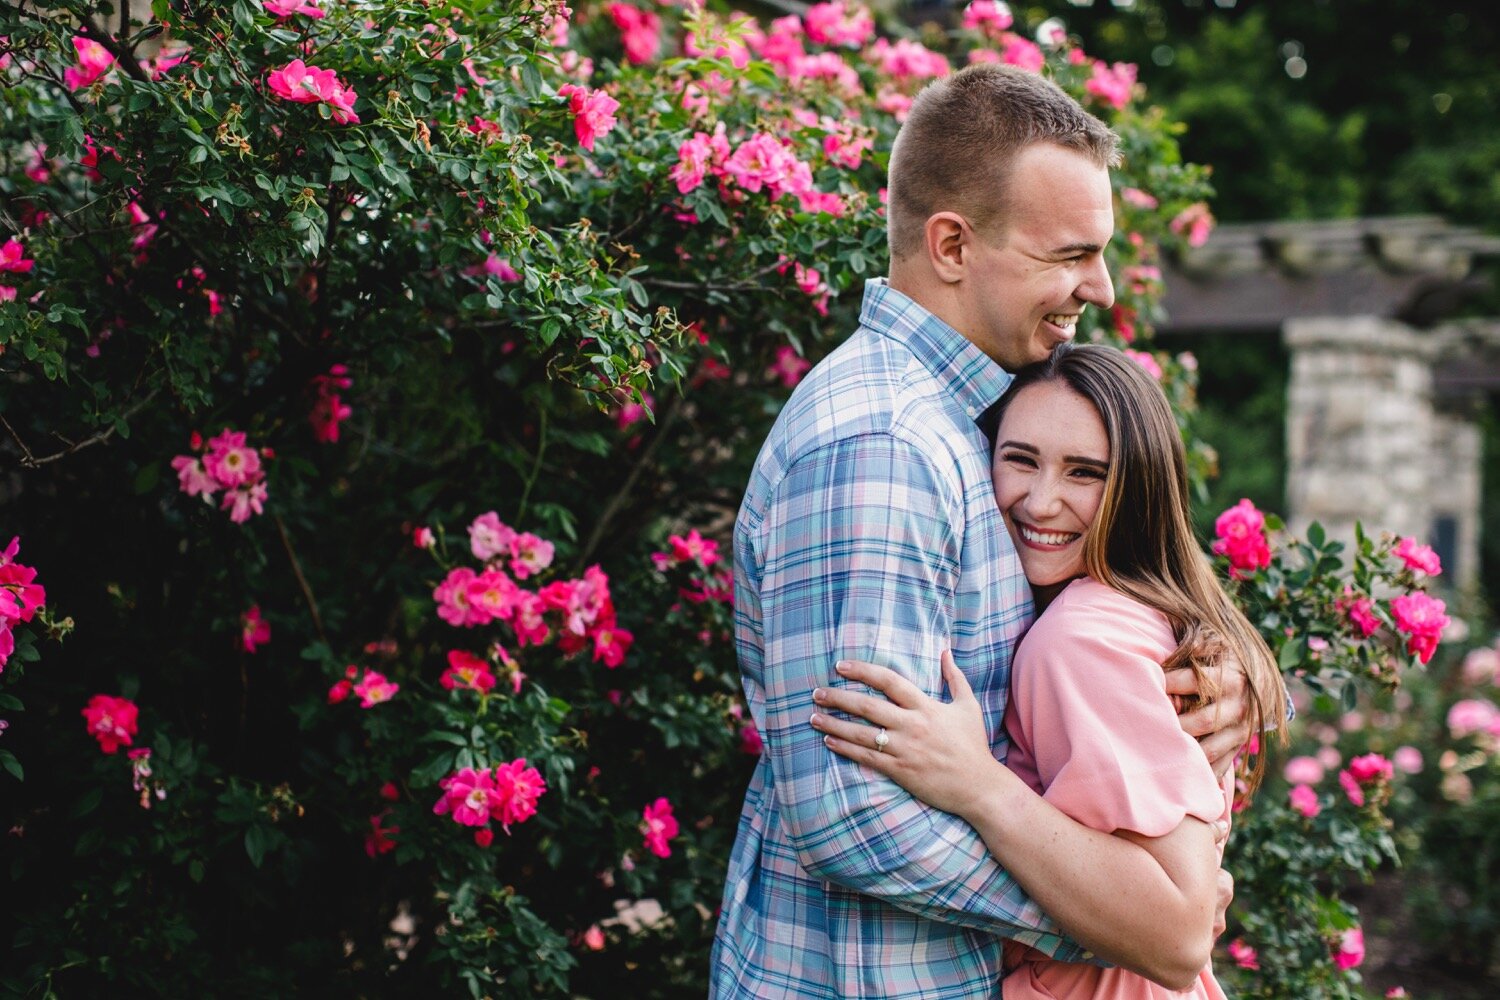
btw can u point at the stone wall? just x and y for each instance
(1366, 440)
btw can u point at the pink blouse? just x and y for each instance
(1093, 730)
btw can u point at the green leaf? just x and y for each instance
(9, 762)
(11, 703)
(1293, 652)
(195, 870)
(257, 839)
(1315, 535)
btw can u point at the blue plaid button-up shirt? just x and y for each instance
(869, 531)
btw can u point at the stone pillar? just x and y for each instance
(1457, 478)
(1360, 429)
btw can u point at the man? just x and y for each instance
(869, 531)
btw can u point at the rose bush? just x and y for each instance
(472, 318)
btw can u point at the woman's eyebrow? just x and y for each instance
(1080, 460)
(1023, 446)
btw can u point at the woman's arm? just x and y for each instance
(1146, 904)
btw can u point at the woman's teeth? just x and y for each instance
(1045, 537)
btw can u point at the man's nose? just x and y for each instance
(1096, 288)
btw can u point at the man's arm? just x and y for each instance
(861, 560)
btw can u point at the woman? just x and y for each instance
(1090, 476)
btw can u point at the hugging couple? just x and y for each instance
(1053, 827)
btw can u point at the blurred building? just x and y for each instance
(1386, 386)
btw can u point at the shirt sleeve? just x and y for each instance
(1090, 693)
(860, 549)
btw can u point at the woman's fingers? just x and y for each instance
(860, 755)
(851, 732)
(958, 684)
(875, 710)
(895, 687)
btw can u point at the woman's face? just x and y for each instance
(1050, 462)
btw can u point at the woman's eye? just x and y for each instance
(1019, 458)
(1093, 474)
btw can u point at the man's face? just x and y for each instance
(1027, 289)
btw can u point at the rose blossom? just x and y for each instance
(1470, 716)
(1196, 220)
(1422, 619)
(288, 8)
(13, 257)
(1112, 84)
(489, 537)
(1304, 800)
(373, 689)
(380, 839)
(94, 61)
(255, 631)
(593, 112)
(1420, 558)
(1303, 771)
(1351, 949)
(467, 796)
(1242, 539)
(789, 366)
(1407, 759)
(465, 670)
(658, 826)
(516, 790)
(111, 721)
(1244, 956)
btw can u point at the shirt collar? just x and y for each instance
(968, 375)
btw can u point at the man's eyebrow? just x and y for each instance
(1073, 248)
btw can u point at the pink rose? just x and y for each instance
(1303, 771)
(1407, 759)
(1472, 715)
(1244, 956)
(467, 671)
(13, 257)
(1420, 558)
(373, 689)
(255, 631)
(1113, 85)
(517, 789)
(489, 537)
(658, 826)
(94, 61)
(593, 112)
(1304, 800)
(111, 721)
(1196, 221)
(789, 366)
(1242, 539)
(1351, 949)
(1422, 620)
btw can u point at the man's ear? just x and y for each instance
(947, 236)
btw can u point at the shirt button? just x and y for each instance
(972, 412)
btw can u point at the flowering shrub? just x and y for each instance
(1341, 621)
(486, 308)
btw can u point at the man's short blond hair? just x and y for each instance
(964, 132)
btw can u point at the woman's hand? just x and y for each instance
(940, 752)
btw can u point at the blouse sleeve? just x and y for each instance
(1091, 695)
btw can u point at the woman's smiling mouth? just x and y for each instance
(1045, 539)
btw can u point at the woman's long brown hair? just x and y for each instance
(1142, 543)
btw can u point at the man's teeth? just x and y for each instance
(1046, 538)
(1064, 320)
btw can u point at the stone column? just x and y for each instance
(1360, 428)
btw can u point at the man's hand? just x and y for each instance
(1220, 726)
(1226, 896)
